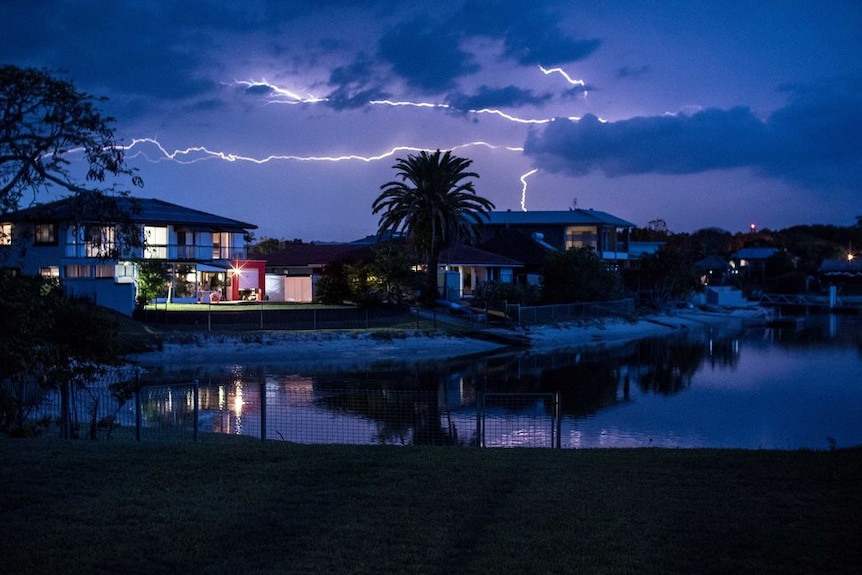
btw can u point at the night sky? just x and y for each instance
(290, 114)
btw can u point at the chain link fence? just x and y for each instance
(117, 408)
(560, 313)
(268, 316)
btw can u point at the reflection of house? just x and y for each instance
(606, 234)
(83, 246)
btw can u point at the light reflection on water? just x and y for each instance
(761, 388)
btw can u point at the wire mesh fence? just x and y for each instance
(269, 316)
(118, 408)
(545, 314)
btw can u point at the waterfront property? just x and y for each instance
(96, 249)
(560, 230)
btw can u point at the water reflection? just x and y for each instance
(758, 388)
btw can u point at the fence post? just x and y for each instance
(197, 396)
(263, 411)
(261, 315)
(480, 432)
(314, 318)
(558, 420)
(138, 416)
(209, 316)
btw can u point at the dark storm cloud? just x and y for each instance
(487, 97)
(426, 55)
(354, 85)
(531, 34)
(812, 141)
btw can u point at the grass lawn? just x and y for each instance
(246, 507)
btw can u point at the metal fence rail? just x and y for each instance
(267, 316)
(267, 411)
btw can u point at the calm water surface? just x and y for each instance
(751, 389)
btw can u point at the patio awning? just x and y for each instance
(213, 267)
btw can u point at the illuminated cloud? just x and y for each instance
(813, 140)
(278, 111)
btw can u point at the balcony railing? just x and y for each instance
(171, 252)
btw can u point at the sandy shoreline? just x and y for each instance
(346, 350)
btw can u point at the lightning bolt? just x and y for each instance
(195, 154)
(524, 188)
(569, 79)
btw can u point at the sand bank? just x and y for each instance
(346, 350)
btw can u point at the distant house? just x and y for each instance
(204, 254)
(841, 270)
(608, 235)
(293, 272)
(713, 270)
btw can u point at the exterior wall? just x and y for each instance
(104, 292)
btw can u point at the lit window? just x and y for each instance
(5, 234)
(49, 272)
(45, 234)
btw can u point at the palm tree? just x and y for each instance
(434, 204)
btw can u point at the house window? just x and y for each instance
(45, 235)
(50, 272)
(78, 271)
(5, 234)
(104, 271)
(221, 246)
(581, 237)
(156, 242)
(100, 241)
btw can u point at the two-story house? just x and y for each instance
(203, 254)
(606, 234)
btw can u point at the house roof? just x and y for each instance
(712, 262)
(754, 253)
(560, 217)
(462, 255)
(518, 246)
(313, 255)
(842, 267)
(139, 210)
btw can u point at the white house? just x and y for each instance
(82, 244)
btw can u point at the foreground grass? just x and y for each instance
(247, 507)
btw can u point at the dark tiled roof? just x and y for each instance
(140, 210)
(841, 267)
(559, 217)
(517, 246)
(305, 255)
(466, 255)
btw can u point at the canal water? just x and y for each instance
(716, 387)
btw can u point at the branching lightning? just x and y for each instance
(274, 94)
(524, 188)
(197, 154)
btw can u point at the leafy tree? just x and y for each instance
(670, 273)
(153, 276)
(44, 119)
(393, 268)
(51, 342)
(577, 275)
(435, 204)
(333, 287)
